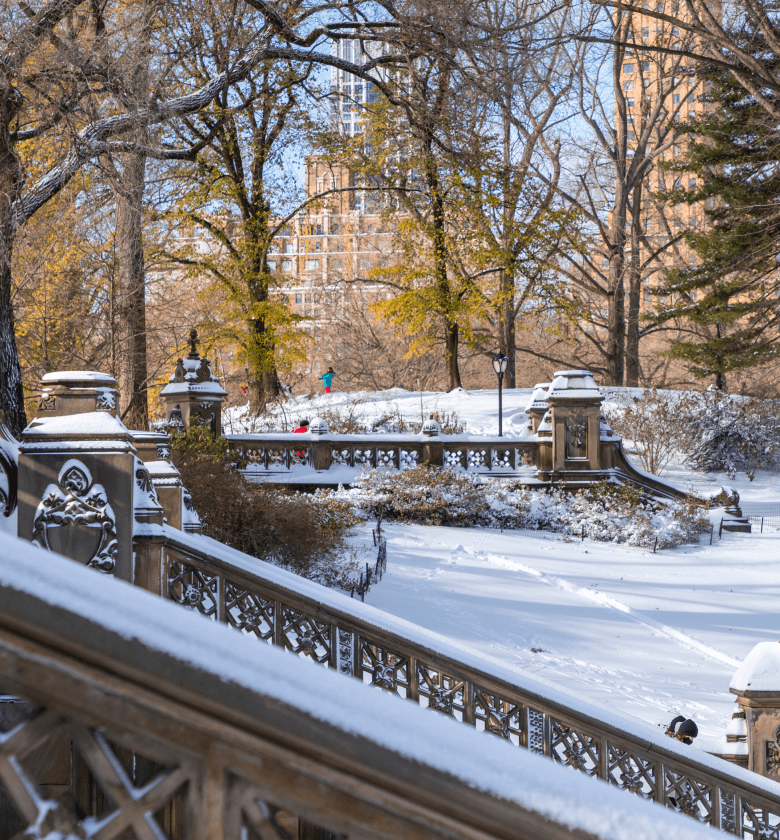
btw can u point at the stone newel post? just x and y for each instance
(757, 686)
(89, 486)
(194, 392)
(575, 407)
(77, 474)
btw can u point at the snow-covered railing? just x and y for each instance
(354, 639)
(123, 717)
(275, 453)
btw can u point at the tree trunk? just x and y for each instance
(453, 369)
(131, 305)
(634, 294)
(507, 332)
(11, 391)
(616, 322)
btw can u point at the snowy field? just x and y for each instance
(647, 635)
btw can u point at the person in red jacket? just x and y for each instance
(304, 427)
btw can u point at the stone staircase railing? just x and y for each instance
(281, 609)
(123, 716)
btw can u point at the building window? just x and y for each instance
(319, 230)
(630, 103)
(677, 183)
(676, 98)
(272, 265)
(311, 265)
(691, 182)
(646, 66)
(318, 246)
(628, 85)
(630, 135)
(298, 298)
(628, 68)
(289, 248)
(287, 265)
(676, 150)
(648, 225)
(334, 228)
(646, 32)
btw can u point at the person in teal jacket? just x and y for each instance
(327, 379)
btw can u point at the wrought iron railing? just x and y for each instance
(261, 601)
(123, 718)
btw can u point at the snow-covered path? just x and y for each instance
(647, 635)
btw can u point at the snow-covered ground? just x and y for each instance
(648, 635)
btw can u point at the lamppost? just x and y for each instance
(718, 375)
(500, 362)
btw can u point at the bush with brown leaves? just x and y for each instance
(305, 534)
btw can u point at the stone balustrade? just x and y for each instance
(110, 499)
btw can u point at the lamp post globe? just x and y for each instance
(500, 363)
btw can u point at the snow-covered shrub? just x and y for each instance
(425, 495)
(734, 434)
(349, 419)
(654, 421)
(605, 512)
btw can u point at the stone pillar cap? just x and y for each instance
(574, 385)
(431, 428)
(538, 401)
(760, 670)
(318, 426)
(79, 379)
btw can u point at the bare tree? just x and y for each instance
(59, 85)
(629, 101)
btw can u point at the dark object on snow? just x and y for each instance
(684, 729)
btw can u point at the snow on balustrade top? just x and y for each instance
(379, 621)
(380, 439)
(79, 378)
(538, 401)
(574, 385)
(760, 671)
(124, 623)
(90, 430)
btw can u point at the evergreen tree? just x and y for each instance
(730, 296)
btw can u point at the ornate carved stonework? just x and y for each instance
(48, 402)
(576, 436)
(105, 402)
(176, 421)
(144, 482)
(76, 501)
(773, 757)
(164, 451)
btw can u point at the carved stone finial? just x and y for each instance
(193, 354)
